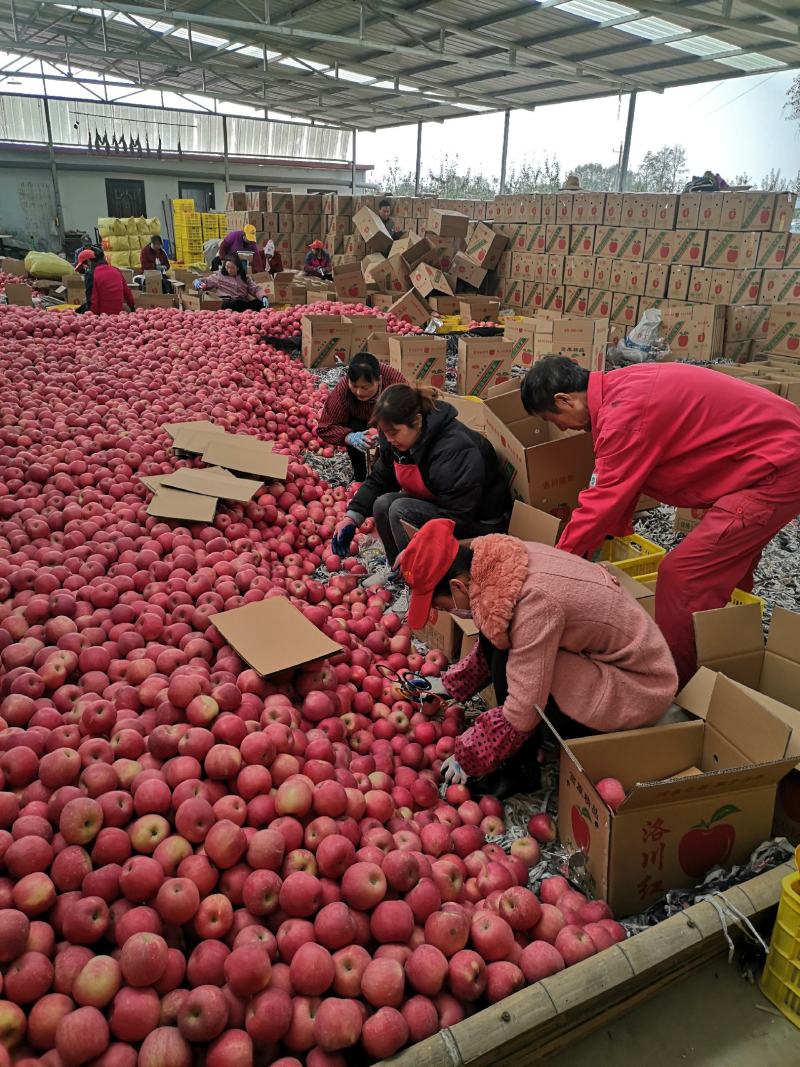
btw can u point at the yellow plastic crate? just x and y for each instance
(182, 207)
(633, 554)
(738, 596)
(780, 982)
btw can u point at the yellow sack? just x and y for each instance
(135, 260)
(153, 226)
(109, 227)
(47, 265)
(115, 244)
(131, 225)
(118, 259)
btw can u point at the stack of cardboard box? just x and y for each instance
(616, 255)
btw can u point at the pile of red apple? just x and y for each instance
(198, 865)
(287, 323)
(5, 278)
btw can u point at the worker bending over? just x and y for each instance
(556, 633)
(105, 286)
(687, 436)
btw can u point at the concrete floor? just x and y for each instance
(714, 1018)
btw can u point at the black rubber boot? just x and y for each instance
(521, 773)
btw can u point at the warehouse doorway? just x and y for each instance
(125, 198)
(201, 192)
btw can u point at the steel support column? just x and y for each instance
(504, 158)
(225, 159)
(353, 165)
(418, 172)
(626, 147)
(59, 220)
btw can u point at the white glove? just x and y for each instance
(452, 772)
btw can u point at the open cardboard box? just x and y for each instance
(673, 827)
(273, 636)
(19, 293)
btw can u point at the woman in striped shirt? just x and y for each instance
(348, 408)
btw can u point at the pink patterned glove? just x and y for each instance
(487, 743)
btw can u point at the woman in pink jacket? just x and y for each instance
(235, 286)
(554, 630)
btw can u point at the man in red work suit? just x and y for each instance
(106, 288)
(689, 437)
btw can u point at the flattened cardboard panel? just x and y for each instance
(213, 482)
(246, 454)
(152, 481)
(784, 635)
(272, 635)
(175, 504)
(721, 633)
(175, 428)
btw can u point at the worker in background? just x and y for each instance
(556, 634)
(153, 257)
(238, 241)
(86, 242)
(429, 466)
(690, 437)
(234, 286)
(349, 406)
(318, 260)
(266, 258)
(211, 253)
(105, 286)
(385, 215)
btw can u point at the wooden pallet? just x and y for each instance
(535, 1023)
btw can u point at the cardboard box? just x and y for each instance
(783, 331)
(747, 211)
(553, 297)
(447, 223)
(603, 266)
(666, 210)
(636, 278)
(555, 270)
(588, 208)
(374, 268)
(17, 267)
(484, 246)
(483, 362)
(363, 328)
(161, 300)
(532, 296)
(785, 206)
(612, 215)
(657, 279)
(427, 280)
(576, 299)
(746, 287)
(582, 340)
(607, 241)
(520, 333)
(599, 305)
(421, 359)
(672, 828)
(679, 282)
(557, 239)
(579, 270)
(659, 245)
(688, 247)
(780, 287)
(511, 293)
(545, 466)
(536, 238)
(625, 309)
(411, 308)
(412, 249)
(448, 305)
(772, 250)
(478, 309)
(687, 518)
(325, 340)
(372, 231)
(695, 331)
(549, 212)
(581, 240)
(733, 250)
(19, 294)
(466, 271)
(349, 283)
(273, 636)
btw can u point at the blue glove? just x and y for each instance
(265, 301)
(343, 537)
(198, 284)
(357, 439)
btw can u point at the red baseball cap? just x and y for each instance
(424, 562)
(316, 244)
(85, 256)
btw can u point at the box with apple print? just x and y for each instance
(698, 795)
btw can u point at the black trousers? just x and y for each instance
(357, 458)
(241, 305)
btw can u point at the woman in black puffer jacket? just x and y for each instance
(430, 466)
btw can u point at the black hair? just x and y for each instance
(462, 564)
(400, 404)
(240, 267)
(384, 203)
(156, 237)
(364, 366)
(551, 375)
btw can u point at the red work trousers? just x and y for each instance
(720, 555)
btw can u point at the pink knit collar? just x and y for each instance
(498, 573)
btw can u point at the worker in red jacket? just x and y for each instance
(106, 288)
(690, 437)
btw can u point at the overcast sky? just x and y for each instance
(730, 127)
